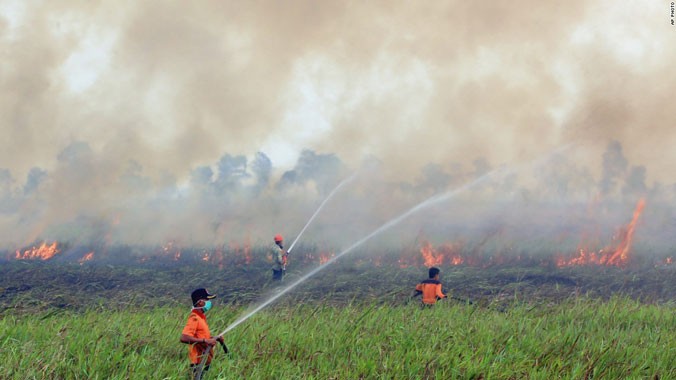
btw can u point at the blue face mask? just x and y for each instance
(207, 306)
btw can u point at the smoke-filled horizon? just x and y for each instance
(240, 200)
(145, 122)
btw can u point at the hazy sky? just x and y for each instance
(91, 90)
(174, 85)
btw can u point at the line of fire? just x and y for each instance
(615, 253)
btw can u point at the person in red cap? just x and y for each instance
(278, 258)
(196, 331)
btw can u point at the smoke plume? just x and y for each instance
(151, 121)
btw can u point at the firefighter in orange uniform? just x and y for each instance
(196, 331)
(430, 288)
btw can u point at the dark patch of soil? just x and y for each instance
(27, 286)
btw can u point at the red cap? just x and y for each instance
(279, 237)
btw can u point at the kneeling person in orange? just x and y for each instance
(430, 288)
(196, 331)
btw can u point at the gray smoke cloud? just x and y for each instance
(152, 121)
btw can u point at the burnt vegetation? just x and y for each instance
(126, 279)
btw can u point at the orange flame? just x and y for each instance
(405, 261)
(448, 252)
(378, 261)
(325, 257)
(247, 254)
(86, 257)
(245, 251)
(617, 256)
(621, 254)
(172, 249)
(43, 252)
(431, 257)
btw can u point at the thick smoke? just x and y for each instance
(157, 121)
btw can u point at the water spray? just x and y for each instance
(340, 185)
(430, 201)
(498, 173)
(205, 354)
(495, 174)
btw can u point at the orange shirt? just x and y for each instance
(197, 327)
(431, 290)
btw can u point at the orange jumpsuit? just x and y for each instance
(431, 291)
(197, 327)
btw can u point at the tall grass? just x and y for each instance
(577, 339)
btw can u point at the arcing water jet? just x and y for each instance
(205, 355)
(345, 181)
(431, 201)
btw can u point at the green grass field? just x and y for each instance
(578, 338)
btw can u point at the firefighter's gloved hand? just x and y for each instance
(210, 341)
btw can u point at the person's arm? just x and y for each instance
(188, 339)
(190, 330)
(418, 290)
(439, 293)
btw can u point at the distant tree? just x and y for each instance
(35, 177)
(201, 176)
(74, 152)
(231, 173)
(614, 167)
(288, 178)
(635, 182)
(434, 178)
(261, 168)
(323, 169)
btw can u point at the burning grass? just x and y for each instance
(617, 253)
(29, 285)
